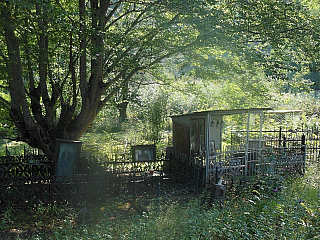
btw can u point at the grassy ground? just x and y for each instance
(265, 208)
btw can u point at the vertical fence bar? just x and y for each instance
(247, 144)
(260, 138)
(207, 146)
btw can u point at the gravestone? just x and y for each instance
(67, 157)
(143, 153)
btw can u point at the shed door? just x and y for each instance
(198, 136)
(181, 137)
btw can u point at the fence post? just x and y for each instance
(280, 130)
(115, 165)
(304, 152)
(158, 192)
(134, 180)
(303, 143)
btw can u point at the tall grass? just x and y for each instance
(290, 212)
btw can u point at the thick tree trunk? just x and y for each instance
(123, 105)
(30, 131)
(122, 112)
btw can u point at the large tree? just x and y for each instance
(62, 60)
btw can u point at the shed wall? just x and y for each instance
(181, 137)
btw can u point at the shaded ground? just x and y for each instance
(133, 196)
(13, 234)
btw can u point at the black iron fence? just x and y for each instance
(22, 192)
(25, 166)
(122, 163)
(272, 152)
(281, 138)
(26, 180)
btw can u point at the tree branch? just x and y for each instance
(83, 50)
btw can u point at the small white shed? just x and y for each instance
(199, 134)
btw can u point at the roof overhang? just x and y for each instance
(225, 112)
(283, 111)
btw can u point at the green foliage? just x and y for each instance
(156, 113)
(116, 146)
(312, 5)
(44, 218)
(106, 121)
(264, 207)
(205, 40)
(7, 217)
(291, 213)
(71, 58)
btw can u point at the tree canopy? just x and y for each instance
(62, 61)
